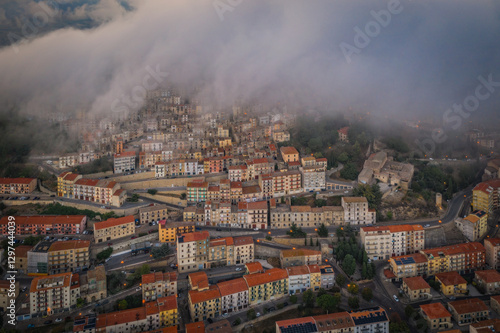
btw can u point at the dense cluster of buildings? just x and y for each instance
(46, 224)
(196, 251)
(371, 320)
(380, 167)
(114, 228)
(58, 257)
(101, 191)
(465, 257)
(17, 185)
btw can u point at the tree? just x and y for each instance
(251, 314)
(435, 285)
(340, 232)
(328, 302)
(340, 279)
(161, 252)
(349, 171)
(353, 288)
(364, 271)
(343, 157)
(32, 240)
(308, 298)
(305, 241)
(105, 254)
(311, 242)
(237, 322)
(293, 299)
(152, 191)
(183, 197)
(321, 292)
(296, 232)
(353, 302)
(317, 242)
(349, 265)
(367, 294)
(122, 305)
(322, 230)
(409, 311)
(389, 215)
(80, 302)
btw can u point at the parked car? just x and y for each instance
(271, 309)
(258, 314)
(58, 320)
(218, 229)
(31, 326)
(395, 298)
(256, 229)
(24, 289)
(109, 244)
(238, 269)
(138, 289)
(133, 237)
(427, 226)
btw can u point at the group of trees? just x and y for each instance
(349, 253)
(58, 209)
(160, 252)
(372, 194)
(322, 230)
(296, 232)
(130, 302)
(104, 254)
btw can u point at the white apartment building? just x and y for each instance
(124, 162)
(356, 211)
(313, 178)
(234, 295)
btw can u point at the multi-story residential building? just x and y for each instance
(168, 311)
(54, 293)
(266, 186)
(257, 167)
(65, 184)
(204, 304)
(272, 284)
(17, 185)
(436, 315)
(289, 154)
(169, 230)
(197, 192)
(383, 242)
(198, 281)
(372, 320)
(157, 285)
(485, 196)
(286, 183)
(486, 326)
(452, 283)
(153, 213)
(344, 134)
(93, 285)
(252, 215)
(114, 228)
(151, 146)
(299, 257)
(284, 216)
(238, 173)
(302, 278)
(495, 303)
(462, 258)
(253, 268)
(124, 162)
(340, 322)
(416, 288)
(22, 258)
(474, 226)
(68, 256)
(46, 224)
(128, 321)
(468, 311)
(408, 265)
(313, 178)
(220, 252)
(488, 280)
(492, 247)
(244, 249)
(356, 211)
(7, 294)
(196, 327)
(327, 276)
(234, 295)
(192, 254)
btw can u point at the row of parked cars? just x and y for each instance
(19, 198)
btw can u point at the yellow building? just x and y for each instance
(225, 142)
(68, 256)
(272, 284)
(468, 311)
(114, 228)
(153, 213)
(485, 196)
(22, 258)
(167, 307)
(65, 184)
(315, 277)
(204, 304)
(452, 283)
(416, 288)
(289, 154)
(169, 230)
(474, 226)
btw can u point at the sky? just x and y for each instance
(403, 58)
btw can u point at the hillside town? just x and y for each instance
(208, 221)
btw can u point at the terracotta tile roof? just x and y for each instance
(257, 205)
(45, 219)
(450, 278)
(22, 251)
(242, 240)
(121, 317)
(288, 150)
(125, 154)
(221, 326)
(226, 241)
(194, 236)
(468, 305)
(236, 185)
(354, 199)
(493, 241)
(344, 130)
(490, 326)
(16, 180)
(112, 222)
(471, 218)
(159, 276)
(197, 296)
(198, 184)
(167, 303)
(197, 327)
(213, 188)
(63, 279)
(416, 283)
(71, 176)
(69, 245)
(489, 276)
(87, 182)
(471, 247)
(273, 274)
(299, 253)
(254, 267)
(260, 160)
(389, 274)
(237, 167)
(198, 279)
(314, 269)
(294, 163)
(333, 321)
(232, 287)
(251, 189)
(169, 329)
(297, 270)
(435, 310)
(300, 209)
(496, 298)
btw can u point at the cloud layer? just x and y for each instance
(425, 59)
